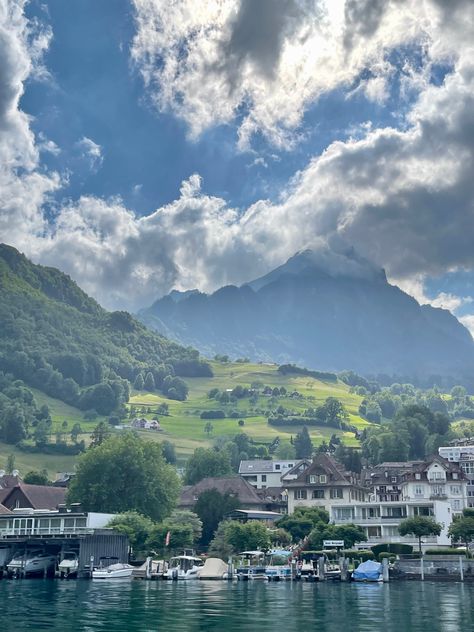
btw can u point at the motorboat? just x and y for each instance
(30, 563)
(368, 571)
(184, 567)
(307, 571)
(252, 566)
(113, 571)
(214, 568)
(69, 565)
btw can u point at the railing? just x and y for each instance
(439, 497)
(45, 531)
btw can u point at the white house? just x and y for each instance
(265, 473)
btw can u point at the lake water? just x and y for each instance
(145, 606)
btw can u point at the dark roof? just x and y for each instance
(38, 496)
(265, 465)
(235, 485)
(9, 480)
(328, 465)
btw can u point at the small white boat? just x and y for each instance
(184, 567)
(29, 563)
(114, 571)
(214, 568)
(69, 565)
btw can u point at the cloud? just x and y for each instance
(402, 197)
(91, 152)
(264, 63)
(468, 322)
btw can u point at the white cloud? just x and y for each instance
(402, 197)
(91, 151)
(468, 322)
(272, 60)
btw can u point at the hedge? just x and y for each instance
(394, 547)
(212, 414)
(362, 554)
(325, 376)
(444, 552)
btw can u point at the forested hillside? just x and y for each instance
(57, 339)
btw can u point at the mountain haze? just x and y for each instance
(331, 311)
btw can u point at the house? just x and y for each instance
(322, 483)
(9, 480)
(235, 486)
(263, 473)
(146, 424)
(63, 479)
(24, 496)
(432, 488)
(463, 455)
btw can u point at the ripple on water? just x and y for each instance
(148, 606)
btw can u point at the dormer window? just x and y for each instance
(455, 476)
(323, 478)
(313, 478)
(394, 479)
(418, 476)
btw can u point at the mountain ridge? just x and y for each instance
(324, 316)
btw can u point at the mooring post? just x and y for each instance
(321, 570)
(422, 568)
(230, 569)
(461, 569)
(385, 573)
(343, 567)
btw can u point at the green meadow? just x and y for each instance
(184, 427)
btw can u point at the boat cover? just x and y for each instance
(368, 570)
(213, 568)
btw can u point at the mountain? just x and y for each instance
(57, 339)
(331, 311)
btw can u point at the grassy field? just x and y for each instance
(185, 429)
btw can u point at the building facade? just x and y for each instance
(463, 455)
(265, 473)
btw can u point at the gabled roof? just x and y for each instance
(234, 485)
(9, 480)
(4, 510)
(332, 468)
(38, 496)
(301, 464)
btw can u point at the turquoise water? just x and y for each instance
(146, 606)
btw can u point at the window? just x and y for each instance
(422, 511)
(277, 466)
(318, 493)
(419, 490)
(323, 478)
(313, 479)
(394, 479)
(455, 489)
(17, 504)
(438, 490)
(300, 494)
(336, 493)
(418, 476)
(456, 505)
(455, 476)
(264, 478)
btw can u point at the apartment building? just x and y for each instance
(262, 473)
(463, 455)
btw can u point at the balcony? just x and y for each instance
(438, 497)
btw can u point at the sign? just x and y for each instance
(333, 544)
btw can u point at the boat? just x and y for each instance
(252, 566)
(214, 568)
(69, 565)
(332, 571)
(278, 568)
(113, 571)
(307, 571)
(183, 567)
(368, 571)
(29, 563)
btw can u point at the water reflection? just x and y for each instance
(195, 606)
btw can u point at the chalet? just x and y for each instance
(146, 424)
(322, 483)
(24, 496)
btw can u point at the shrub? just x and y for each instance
(362, 554)
(444, 552)
(394, 548)
(212, 414)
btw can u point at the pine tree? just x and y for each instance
(149, 382)
(139, 383)
(303, 445)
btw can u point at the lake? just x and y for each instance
(145, 606)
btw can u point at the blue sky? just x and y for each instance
(157, 146)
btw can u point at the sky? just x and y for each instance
(147, 145)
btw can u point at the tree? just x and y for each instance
(419, 526)
(462, 528)
(136, 526)
(211, 507)
(125, 474)
(350, 533)
(248, 536)
(139, 383)
(303, 520)
(303, 445)
(184, 527)
(208, 428)
(169, 452)
(206, 463)
(75, 432)
(100, 433)
(149, 384)
(36, 478)
(10, 463)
